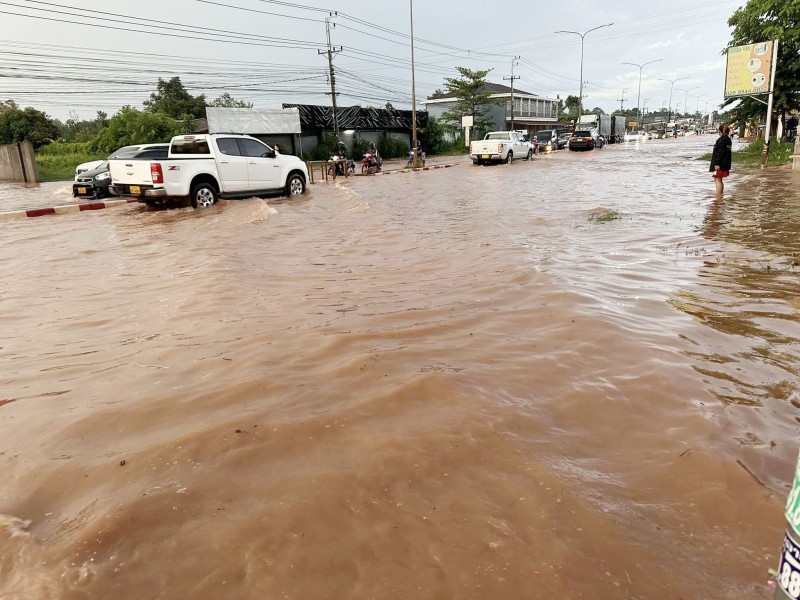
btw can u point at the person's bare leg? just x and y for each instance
(719, 185)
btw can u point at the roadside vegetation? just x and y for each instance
(780, 153)
(57, 161)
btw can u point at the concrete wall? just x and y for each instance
(18, 163)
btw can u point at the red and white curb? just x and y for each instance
(407, 170)
(62, 210)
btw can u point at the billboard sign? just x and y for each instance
(749, 69)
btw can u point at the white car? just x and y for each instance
(202, 168)
(119, 153)
(500, 146)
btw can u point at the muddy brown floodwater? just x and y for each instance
(451, 384)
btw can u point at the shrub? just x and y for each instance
(389, 147)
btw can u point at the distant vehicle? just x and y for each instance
(95, 183)
(563, 140)
(601, 124)
(669, 133)
(643, 136)
(500, 146)
(617, 129)
(548, 140)
(583, 140)
(123, 152)
(203, 168)
(660, 134)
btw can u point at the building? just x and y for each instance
(531, 112)
(367, 124)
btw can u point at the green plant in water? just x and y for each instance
(604, 216)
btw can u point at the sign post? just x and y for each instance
(750, 72)
(467, 122)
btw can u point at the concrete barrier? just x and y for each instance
(18, 163)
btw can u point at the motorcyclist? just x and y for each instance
(375, 156)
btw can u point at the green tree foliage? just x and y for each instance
(132, 126)
(228, 101)
(432, 136)
(8, 105)
(77, 130)
(472, 98)
(571, 108)
(173, 100)
(389, 147)
(762, 20)
(439, 93)
(26, 125)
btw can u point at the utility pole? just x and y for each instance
(622, 100)
(512, 78)
(331, 52)
(413, 90)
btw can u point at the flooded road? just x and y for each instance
(453, 384)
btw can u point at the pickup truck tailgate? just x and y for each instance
(485, 147)
(130, 172)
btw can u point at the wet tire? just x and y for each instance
(295, 185)
(530, 155)
(203, 195)
(509, 158)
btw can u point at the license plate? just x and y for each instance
(485, 156)
(81, 190)
(135, 189)
(578, 139)
(789, 569)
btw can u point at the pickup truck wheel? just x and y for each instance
(295, 186)
(509, 157)
(203, 195)
(530, 155)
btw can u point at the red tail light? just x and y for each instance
(155, 173)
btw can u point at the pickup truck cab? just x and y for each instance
(500, 146)
(206, 167)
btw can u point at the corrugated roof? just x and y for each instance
(356, 117)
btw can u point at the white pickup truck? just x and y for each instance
(204, 168)
(500, 146)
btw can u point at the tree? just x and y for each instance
(8, 105)
(471, 98)
(761, 20)
(173, 100)
(26, 125)
(439, 93)
(228, 101)
(76, 130)
(432, 136)
(389, 106)
(132, 126)
(571, 107)
(597, 111)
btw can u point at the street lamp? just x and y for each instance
(671, 83)
(639, 97)
(686, 97)
(697, 106)
(583, 35)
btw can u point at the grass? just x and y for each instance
(605, 216)
(780, 153)
(57, 161)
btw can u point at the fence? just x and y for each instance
(18, 164)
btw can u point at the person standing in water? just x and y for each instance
(721, 158)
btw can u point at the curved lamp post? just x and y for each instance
(671, 83)
(639, 97)
(583, 35)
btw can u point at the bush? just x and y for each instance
(389, 147)
(64, 149)
(326, 149)
(780, 153)
(360, 148)
(130, 126)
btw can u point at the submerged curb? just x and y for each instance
(62, 210)
(431, 168)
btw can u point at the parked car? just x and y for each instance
(660, 134)
(563, 140)
(123, 152)
(95, 183)
(500, 146)
(583, 140)
(203, 168)
(548, 140)
(668, 133)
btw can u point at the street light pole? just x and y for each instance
(671, 83)
(413, 88)
(639, 97)
(686, 97)
(583, 35)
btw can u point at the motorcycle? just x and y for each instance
(342, 168)
(420, 156)
(371, 163)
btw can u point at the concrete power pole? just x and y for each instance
(331, 52)
(512, 78)
(622, 100)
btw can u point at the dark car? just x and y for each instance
(563, 140)
(582, 140)
(94, 183)
(548, 140)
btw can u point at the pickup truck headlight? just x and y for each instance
(102, 176)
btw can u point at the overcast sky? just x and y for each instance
(76, 56)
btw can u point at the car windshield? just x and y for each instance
(544, 136)
(582, 134)
(496, 136)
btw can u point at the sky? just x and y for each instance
(72, 58)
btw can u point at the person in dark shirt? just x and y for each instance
(721, 158)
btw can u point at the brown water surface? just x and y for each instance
(451, 384)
